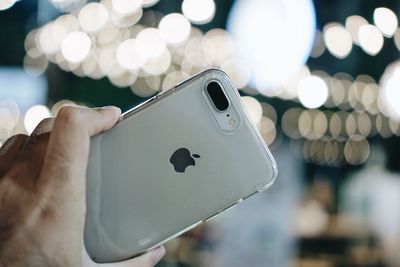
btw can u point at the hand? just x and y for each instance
(42, 191)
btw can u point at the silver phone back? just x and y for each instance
(135, 198)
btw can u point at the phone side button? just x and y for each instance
(224, 210)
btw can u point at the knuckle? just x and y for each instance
(68, 115)
(44, 126)
(18, 137)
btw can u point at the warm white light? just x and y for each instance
(174, 28)
(126, 7)
(371, 39)
(157, 66)
(253, 108)
(6, 4)
(51, 37)
(337, 40)
(356, 150)
(35, 66)
(6, 123)
(128, 56)
(149, 3)
(390, 94)
(312, 91)
(9, 116)
(34, 115)
(386, 20)
(173, 78)
(76, 46)
(397, 38)
(150, 43)
(93, 17)
(238, 70)
(267, 130)
(353, 24)
(280, 43)
(199, 11)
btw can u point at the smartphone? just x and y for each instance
(171, 163)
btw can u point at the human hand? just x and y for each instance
(42, 191)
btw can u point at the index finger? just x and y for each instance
(68, 147)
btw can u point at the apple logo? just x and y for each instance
(181, 159)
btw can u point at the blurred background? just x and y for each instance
(319, 78)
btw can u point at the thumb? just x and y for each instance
(148, 259)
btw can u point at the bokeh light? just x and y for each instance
(397, 38)
(76, 46)
(149, 3)
(371, 39)
(150, 43)
(6, 4)
(353, 25)
(356, 150)
(280, 43)
(93, 17)
(199, 12)
(34, 115)
(253, 108)
(9, 115)
(129, 56)
(267, 130)
(337, 40)
(386, 20)
(390, 93)
(126, 7)
(312, 92)
(174, 28)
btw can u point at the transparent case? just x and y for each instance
(136, 199)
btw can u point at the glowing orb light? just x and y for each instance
(390, 93)
(275, 37)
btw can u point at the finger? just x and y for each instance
(148, 259)
(45, 126)
(9, 152)
(68, 147)
(29, 161)
(28, 164)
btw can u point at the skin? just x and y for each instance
(42, 192)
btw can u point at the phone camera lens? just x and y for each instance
(217, 96)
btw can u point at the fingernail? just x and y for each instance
(116, 109)
(158, 253)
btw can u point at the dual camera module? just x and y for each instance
(217, 96)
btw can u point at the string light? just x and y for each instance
(397, 38)
(174, 28)
(129, 56)
(253, 107)
(199, 12)
(386, 20)
(76, 46)
(93, 17)
(312, 91)
(353, 25)
(371, 39)
(126, 7)
(150, 43)
(390, 93)
(6, 4)
(34, 115)
(337, 40)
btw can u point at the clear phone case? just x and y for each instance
(136, 199)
